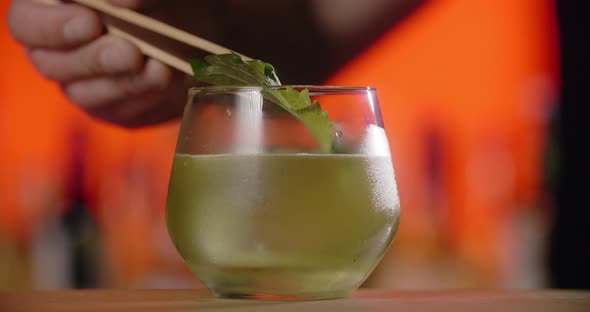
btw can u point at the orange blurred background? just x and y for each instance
(466, 90)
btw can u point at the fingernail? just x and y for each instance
(79, 29)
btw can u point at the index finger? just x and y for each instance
(42, 25)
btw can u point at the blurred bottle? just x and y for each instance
(65, 241)
(80, 226)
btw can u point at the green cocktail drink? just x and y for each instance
(282, 224)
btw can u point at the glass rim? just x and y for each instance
(323, 89)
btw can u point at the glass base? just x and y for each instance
(280, 283)
(273, 297)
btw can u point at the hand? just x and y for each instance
(106, 76)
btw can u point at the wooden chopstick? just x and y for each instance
(153, 51)
(156, 26)
(48, 1)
